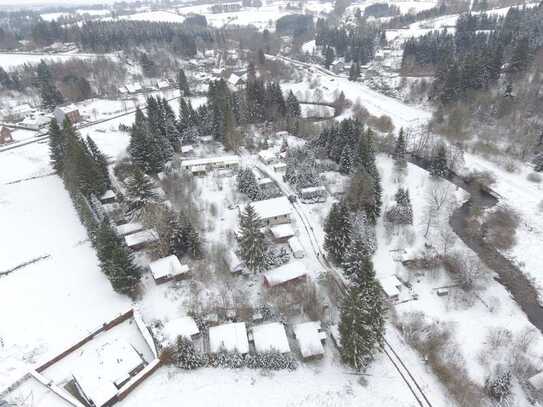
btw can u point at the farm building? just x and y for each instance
(235, 82)
(310, 339)
(279, 168)
(273, 211)
(229, 337)
(287, 273)
(137, 241)
(391, 286)
(296, 247)
(281, 233)
(5, 135)
(129, 228)
(211, 163)
(69, 112)
(106, 372)
(270, 337)
(167, 269)
(313, 194)
(184, 326)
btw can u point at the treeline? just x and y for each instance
(379, 10)
(84, 171)
(444, 8)
(471, 59)
(296, 25)
(355, 44)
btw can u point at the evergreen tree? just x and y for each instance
(362, 321)
(247, 184)
(293, 106)
(329, 57)
(56, 146)
(338, 230)
(400, 149)
(354, 72)
(402, 212)
(140, 193)
(438, 164)
(50, 95)
(346, 160)
(182, 83)
(100, 163)
(538, 162)
(361, 195)
(251, 241)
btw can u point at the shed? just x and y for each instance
(184, 326)
(270, 337)
(137, 241)
(279, 168)
(234, 263)
(290, 272)
(129, 228)
(267, 156)
(108, 197)
(69, 112)
(310, 339)
(273, 211)
(229, 337)
(281, 233)
(391, 286)
(187, 149)
(296, 247)
(168, 268)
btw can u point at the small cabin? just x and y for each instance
(167, 269)
(296, 248)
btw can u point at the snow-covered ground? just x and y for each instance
(11, 60)
(163, 16)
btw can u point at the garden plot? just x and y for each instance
(484, 315)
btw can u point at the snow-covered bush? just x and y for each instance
(186, 356)
(498, 385)
(276, 258)
(229, 360)
(272, 361)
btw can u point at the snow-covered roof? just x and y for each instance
(184, 326)
(295, 245)
(198, 168)
(129, 228)
(230, 337)
(109, 194)
(282, 231)
(536, 381)
(187, 148)
(264, 181)
(122, 89)
(390, 286)
(279, 165)
(161, 84)
(269, 337)
(225, 159)
(270, 208)
(68, 108)
(112, 364)
(311, 190)
(168, 267)
(235, 264)
(284, 273)
(309, 338)
(143, 237)
(234, 79)
(267, 155)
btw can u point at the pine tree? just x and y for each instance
(140, 193)
(182, 83)
(100, 162)
(50, 95)
(538, 162)
(338, 230)
(438, 165)
(346, 160)
(329, 57)
(400, 149)
(293, 106)
(361, 195)
(56, 146)
(251, 241)
(362, 313)
(247, 184)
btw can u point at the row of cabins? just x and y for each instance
(236, 337)
(201, 166)
(137, 87)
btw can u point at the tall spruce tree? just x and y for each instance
(182, 83)
(361, 195)
(251, 241)
(400, 149)
(56, 146)
(362, 322)
(293, 105)
(346, 160)
(50, 95)
(438, 164)
(139, 193)
(338, 231)
(100, 161)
